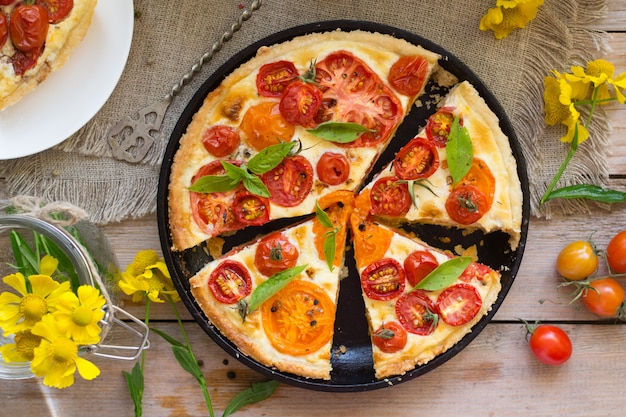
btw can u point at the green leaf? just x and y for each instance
(444, 275)
(339, 132)
(169, 339)
(234, 172)
(214, 184)
(272, 285)
(188, 362)
(26, 260)
(330, 248)
(589, 192)
(323, 217)
(258, 392)
(255, 186)
(135, 383)
(459, 151)
(269, 158)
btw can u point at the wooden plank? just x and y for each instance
(615, 111)
(616, 17)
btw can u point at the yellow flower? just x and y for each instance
(56, 358)
(23, 348)
(509, 15)
(620, 84)
(598, 72)
(77, 315)
(559, 107)
(21, 313)
(148, 276)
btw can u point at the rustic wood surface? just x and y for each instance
(496, 375)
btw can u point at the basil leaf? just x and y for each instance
(187, 362)
(323, 217)
(340, 132)
(330, 248)
(272, 285)
(255, 186)
(269, 158)
(234, 172)
(258, 392)
(459, 151)
(589, 192)
(444, 275)
(214, 184)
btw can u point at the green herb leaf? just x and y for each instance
(272, 285)
(444, 275)
(459, 151)
(135, 383)
(188, 362)
(589, 192)
(258, 392)
(256, 186)
(339, 132)
(323, 217)
(269, 158)
(330, 248)
(214, 184)
(166, 336)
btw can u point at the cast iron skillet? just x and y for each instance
(352, 370)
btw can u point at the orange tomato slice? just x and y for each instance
(338, 206)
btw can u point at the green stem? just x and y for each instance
(205, 391)
(559, 173)
(146, 320)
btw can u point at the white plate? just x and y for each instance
(71, 96)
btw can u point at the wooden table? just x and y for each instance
(496, 375)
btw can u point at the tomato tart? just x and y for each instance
(36, 38)
(337, 97)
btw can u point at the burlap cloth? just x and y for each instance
(170, 36)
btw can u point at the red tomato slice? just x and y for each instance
(333, 168)
(389, 197)
(352, 92)
(390, 337)
(4, 29)
(28, 27)
(480, 176)
(230, 282)
(274, 77)
(417, 159)
(290, 182)
(220, 140)
(7, 2)
(459, 304)
(23, 61)
(407, 75)
(250, 209)
(383, 279)
(213, 212)
(438, 126)
(275, 253)
(57, 9)
(418, 265)
(417, 313)
(466, 204)
(475, 271)
(300, 102)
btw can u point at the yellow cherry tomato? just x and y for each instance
(577, 260)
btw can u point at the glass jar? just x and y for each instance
(122, 335)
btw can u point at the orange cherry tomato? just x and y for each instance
(577, 260)
(275, 253)
(604, 297)
(28, 26)
(417, 159)
(390, 337)
(220, 140)
(466, 204)
(333, 168)
(57, 9)
(616, 253)
(299, 319)
(370, 241)
(480, 176)
(407, 75)
(264, 126)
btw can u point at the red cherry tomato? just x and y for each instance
(353, 93)
(417, 313)
(4, 29)
(333, 168)
(275, 253)
(616, 253)
(300, 102)
(577, 260)
(28, 26)
(417, 159)
(230, 282)
(550, 344)
(418, 265)
(57, 9)
(438, 126)
(7, 2)
(290, 182)
(407, 75)
(23, 61)
(383, 279)
(220, 140)
(274, 77)
(250, 209)
(475, 271)
(604, 297)
(459, 304)
(390, 337)
(390, 197)
(466, 204)
(481, 177)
